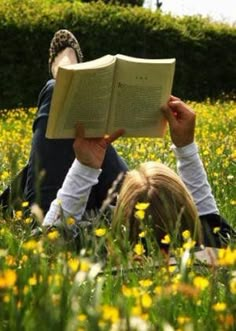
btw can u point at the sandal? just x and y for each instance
(61, 40)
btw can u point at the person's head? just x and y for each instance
(171, 208)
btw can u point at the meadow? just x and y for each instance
(48, 284)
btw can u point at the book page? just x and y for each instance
(86, 101)
(103, 61)
(140, 89)
(59, 94)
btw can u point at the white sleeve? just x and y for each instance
(72, 197)
(193, 174)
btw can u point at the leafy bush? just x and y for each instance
(205, 51)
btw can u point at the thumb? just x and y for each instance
(169, 113)
(79, 130)
(115, 135)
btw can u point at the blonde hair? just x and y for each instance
(171, 207)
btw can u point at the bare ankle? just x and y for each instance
(65, 57)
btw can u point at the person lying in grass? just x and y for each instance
(173, 203)
(97, 165)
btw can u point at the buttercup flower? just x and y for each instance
(100, 232)
(139, 249)
(166, 240)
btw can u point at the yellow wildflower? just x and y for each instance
(219, 306)
(139, 249)
(18, 215)
(7, 278)
(30, 245)
(142, 205)
(10, 260)
(171, 268)
(127, 292)
(85, 265)
(139, 214)
(136, 310)
(25, 204)
(26, 289)
(100, 232)
(110, 313)
(73, 264)
(200, 282)
(145, 282)
(216, 229)
(140, 210)
(226, 256)
(183, 320)
(146, 300)
(55, 280)
(28, 220)
(142, 234)
(81, 317)
(189, 244)
(130, 292)
(6, 298)
(232, 285)
(24, 259)
(158, 290)
(166, 240)
(186, 234)
(53, 235)
(70, 221)
(33, 280)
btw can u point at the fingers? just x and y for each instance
(176, 105)
(175, 109)
(180, 107)
(171, 109)
(173, 98)
(169, 114)
(80, 133)
(115, 135)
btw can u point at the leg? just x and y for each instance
(67, 56)
(50, 159)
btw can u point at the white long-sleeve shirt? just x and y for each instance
(73, 196)
(190, 169)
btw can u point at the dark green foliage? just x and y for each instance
(205, 51)
(120, 2)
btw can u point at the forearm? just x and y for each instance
(73, 196)
(193, 174)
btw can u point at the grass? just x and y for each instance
(46, 284)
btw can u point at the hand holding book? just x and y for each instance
(91, 151)
(181, 121)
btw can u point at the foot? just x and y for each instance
(62, 40)
(65, 57)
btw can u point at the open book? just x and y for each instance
(111, 93)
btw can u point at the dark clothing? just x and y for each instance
(216, 231)
(50, 160)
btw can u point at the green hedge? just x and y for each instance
(205, 51)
